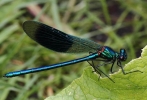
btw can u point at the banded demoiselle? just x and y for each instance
(56, 40)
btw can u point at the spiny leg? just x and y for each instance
(119, 64)
(112, 66)
(102, 71)
(106, 62)
(92, 64)
(97, 70)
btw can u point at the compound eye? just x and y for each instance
(123, 55)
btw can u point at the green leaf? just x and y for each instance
(144, 52)
(126, 87)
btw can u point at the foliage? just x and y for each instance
(126, 87)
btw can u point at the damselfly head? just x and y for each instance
(122, 55)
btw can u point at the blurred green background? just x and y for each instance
(118, 24)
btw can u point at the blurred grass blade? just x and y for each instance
(13, 51)
(7, 32)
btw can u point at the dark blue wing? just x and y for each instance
(56, 40)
